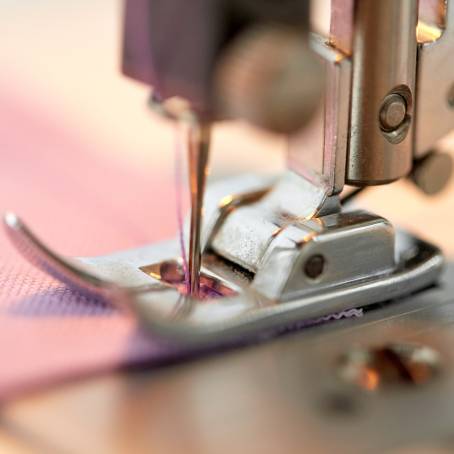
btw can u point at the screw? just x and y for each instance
(393, 112)
(314, 266)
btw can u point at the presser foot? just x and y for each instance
(308, 268)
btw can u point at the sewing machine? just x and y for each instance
(274, 254)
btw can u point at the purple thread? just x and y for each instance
(179, 203)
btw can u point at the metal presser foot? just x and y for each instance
(262, 268)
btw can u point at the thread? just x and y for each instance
(178, 176)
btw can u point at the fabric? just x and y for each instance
(81, 204)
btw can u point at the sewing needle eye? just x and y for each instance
(198, 150)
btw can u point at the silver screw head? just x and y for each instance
(393, 112)
(314, 266)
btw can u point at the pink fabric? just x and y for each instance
(81, 204)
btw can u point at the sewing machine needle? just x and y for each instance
(198, 149)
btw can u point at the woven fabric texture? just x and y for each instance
(80, 203)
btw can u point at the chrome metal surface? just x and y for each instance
(384, 64)
(119, 278)
(245, 234)
(286, 252)
(229, 194)
(354, 246)
(393, 112)
(320, 151)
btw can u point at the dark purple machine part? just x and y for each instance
(174, 45)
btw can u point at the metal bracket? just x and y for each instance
(361, 265)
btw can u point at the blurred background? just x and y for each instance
(63, 58)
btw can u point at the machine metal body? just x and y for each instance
(278, 252)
